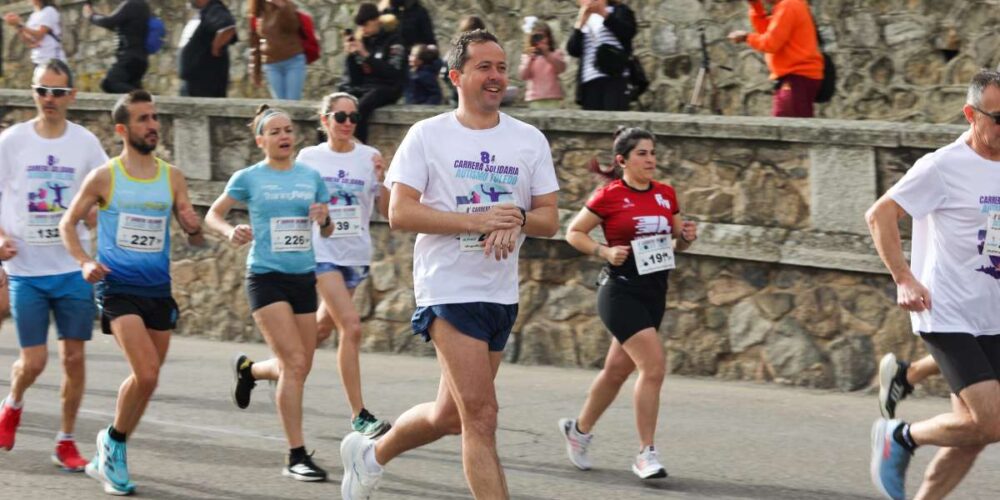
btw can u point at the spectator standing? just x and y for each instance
(277, 47)
(376, 65)
(130, 20)
(540, 68)
(415, 25)
(423, 87)
(42, 32)
(204, 58)
(602, 39)
(787, 37)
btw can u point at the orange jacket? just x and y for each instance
(787, 38)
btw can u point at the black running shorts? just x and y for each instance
(627, 309)
(298, 290)
(965, 359)
(158, 313)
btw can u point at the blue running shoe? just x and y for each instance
(110, 466)
(889, 460)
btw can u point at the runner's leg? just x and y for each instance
(645, 349)
(617, 368)
(921, 369)
(977, 424)
(145, 350)
(338, 303)
(293, 351)
(71, 353)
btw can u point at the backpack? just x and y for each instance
(307, 33)
(829, 85)
(638, 82)
(156, 35)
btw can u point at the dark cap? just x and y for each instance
(366, 12)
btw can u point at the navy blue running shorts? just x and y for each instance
(484, 321)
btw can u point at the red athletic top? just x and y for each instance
(627, 213)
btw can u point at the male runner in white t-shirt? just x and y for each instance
(472, 183)
(43, 163)
(952, 290)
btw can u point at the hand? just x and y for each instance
(599, 7)
(94, 271)
(241, 235)
(12, 19)
(501, 216)
(88, 10)
(615, 255)
(502, 243)
(738, 36)
(379, 164)
(3, 279)
(7, 248)
(689, 231)
(189, 220)
(913, 296)
(318, 212)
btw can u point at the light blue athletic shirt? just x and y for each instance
(133, 233)
(278, 201)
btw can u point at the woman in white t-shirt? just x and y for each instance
(353, 173)
(42, 32)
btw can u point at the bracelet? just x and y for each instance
(326, 223)
(524, 216)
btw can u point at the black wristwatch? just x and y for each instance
(524, 216)
(325, 223)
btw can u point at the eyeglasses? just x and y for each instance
(993, 116)
(343, 116)
(43, 91)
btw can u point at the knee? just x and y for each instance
(32, 366)
(351, 333)
(72, 362)
(296, 368)
(481, 417)
(146, 380)
(654, 373)
(616, 376)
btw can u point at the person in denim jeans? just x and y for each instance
(280, 47)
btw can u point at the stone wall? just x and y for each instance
(903, 60)
(783, 284)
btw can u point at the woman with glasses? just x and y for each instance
(42, 32)
(285, 199)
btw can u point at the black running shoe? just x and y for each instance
(892, 383)
(304, 470)
(243, 381)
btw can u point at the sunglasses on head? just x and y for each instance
(43, 91)
(342, 116)
(994, 116)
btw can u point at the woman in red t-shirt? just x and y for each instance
(643, 226)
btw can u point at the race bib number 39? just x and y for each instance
(992, 244)
(141, 233)
(653, 253)
(291, 234)
(43, 229)
(346, 221)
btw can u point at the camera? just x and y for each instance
(349, 34)
(537, 38)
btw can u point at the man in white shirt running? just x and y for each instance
(472, 183)
(952, 290)
(43, 163)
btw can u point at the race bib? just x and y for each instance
(42, 229)
(141, 233)
(346, 221)
(653, 253)
(291, 234)
(474, 242)
(991, 246)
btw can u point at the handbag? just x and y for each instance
(611, 60)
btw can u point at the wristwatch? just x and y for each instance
(524, 216)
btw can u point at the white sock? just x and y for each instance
(370, 461)
(9, 401)
(62, 436)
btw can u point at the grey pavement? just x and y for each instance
(717, 439)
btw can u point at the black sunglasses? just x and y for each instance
(343, 116)
(43, 91)
(994, 116)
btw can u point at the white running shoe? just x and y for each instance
(647, 464)
(576, 443)
(359, 482)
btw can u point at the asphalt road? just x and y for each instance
(717, 439)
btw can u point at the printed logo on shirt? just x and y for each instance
(989, 204)
(488, 194)
(344, 189)
(486, 170)
(651, 224)
(50, 186)
(628, 203)
(304, 192)
(661, 201)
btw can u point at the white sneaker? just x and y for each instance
(359, 482)
(647, 464)
(576, 443)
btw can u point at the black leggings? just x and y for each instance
(605, 94)
(371, 100)
(125, 75)
(626, 310)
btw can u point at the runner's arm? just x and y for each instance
(407, 213)
(215, 219)
(683, 232)
(578, 234)
(883, 224)
(382, 202)
(543, 217)
(90, 195)
(184, 211)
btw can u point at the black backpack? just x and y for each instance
(829, 85)
(638, 82)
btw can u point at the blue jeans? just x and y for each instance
(286, 78)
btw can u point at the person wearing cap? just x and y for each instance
(376, 65)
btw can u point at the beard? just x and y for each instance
(141, 145)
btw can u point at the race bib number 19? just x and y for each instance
(141, 233)
(291, 234)
(653, 253)
(992, 244)
(43, 229)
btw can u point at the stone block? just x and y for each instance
(194, 149)
(853, 359)
(746, 326)
(842, 183)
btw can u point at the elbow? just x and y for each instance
(550, 230)
(871, 218)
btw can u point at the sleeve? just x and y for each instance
(758, 16)
(123, 13)
(779, 30)
(598, 203)
(5, 163)
(409, 165)
(675, 206)
(288, 18)
(218, 19)
(98, 158)
(621, 23)
(543, 174)
(921, 190)
(574, 46)
(49, 18)
(237, 187)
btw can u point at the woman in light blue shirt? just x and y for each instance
(285, 199)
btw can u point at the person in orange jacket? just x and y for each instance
(787, 37)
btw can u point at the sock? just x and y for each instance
(247, 371)
(901, 378)
(647, 448)
(364, 415)
(116, 434)
(296, 455)
(370, 462)
(62, 436)
(9, 401)
(902, 436)
(576, 428)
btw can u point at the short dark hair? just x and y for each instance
(460, 46)
(471, 23)
(426, 54)
(57, 66)
(120, 113)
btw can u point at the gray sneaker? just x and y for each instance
(368, 426)
(359, 483)
(576, 444)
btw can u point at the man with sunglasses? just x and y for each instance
(43, 162)
(952, 290)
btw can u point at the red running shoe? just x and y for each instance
(68, 457)
(9, 420)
